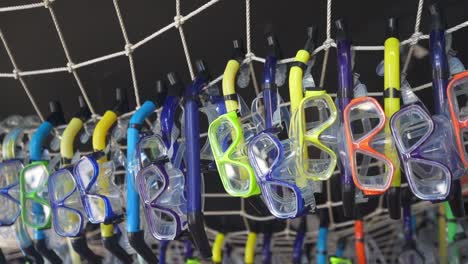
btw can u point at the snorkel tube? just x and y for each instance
(194, 181)
(168, 113)
(26, 245)
(391, 106)
(322, 237)
(217, 250)
(79, 244)
(270, 89)
(344, 94)
(299, 241)
(135, 234)
(359, 238)
(249, 253)
(266, 249)
(440, 75)
(56, 118)
(109, 239)
(162, 251)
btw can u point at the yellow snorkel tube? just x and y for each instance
(109, 240)
(79, 244)
(391, 106)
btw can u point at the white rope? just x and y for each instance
(128, 52)
(19, 78)
(248, 39)
(69, 67)
(327, 43)
(179, 20)
(376, 218)
(414, 36)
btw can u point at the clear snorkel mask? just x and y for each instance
(161, 187)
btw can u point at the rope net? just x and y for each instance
(377, 222)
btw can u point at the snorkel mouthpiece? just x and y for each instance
(83, 114)
(161, 92)
(121, 105)
(311, 39)
(392, 28)
(239, 51)
(175, 84)
(56, 116)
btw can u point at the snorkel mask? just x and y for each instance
(135, 233)
(313, 115)
(226, 136)
(192, 158)
(369, 144)
(286, 193)
(425, 144)
(35, 205)
(13, 152)
(68, 216)
(161, 186)
(94, 177)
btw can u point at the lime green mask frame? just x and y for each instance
(233, 156)
(33, 195)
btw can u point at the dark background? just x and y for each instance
(91, 29)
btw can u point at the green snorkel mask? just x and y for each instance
(226, 136)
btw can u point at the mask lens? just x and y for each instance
(63, 184)
(37, 214)
(68, 221)
(372, 171)
(97, 208)
(430, 179)
(151, 149)
(86, 171)
(412, 127)
(35, 177)
(266, 153)
(315, 160)
(165, 224)
(9, 210)
(460, 98)
(225, 134)
(283, 199)
(237, 175)
(154, 182)
(316, 113)
(364, 119)
(9, 172)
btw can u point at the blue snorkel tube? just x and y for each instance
(322, 237)
(299, 241)
(440, 76)
(56, 118)
(266, 249)
(168, 113)
(162, 251)
(193, 178)
(136, 236)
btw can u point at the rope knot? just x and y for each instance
(128, 49)
(327, 44)
(16, 74)
(70, 67)
(415, 38)
(179, 20)
(249, 57)
(47, 3)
